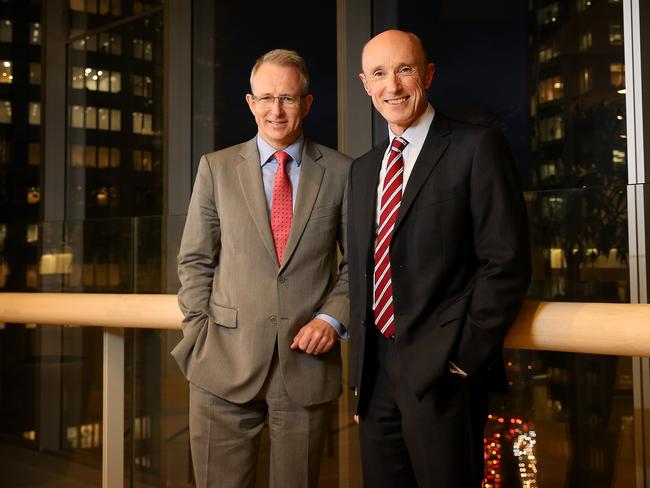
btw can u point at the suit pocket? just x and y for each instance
(224, 316)
(457, 309)
(324, 211)
(435, 196)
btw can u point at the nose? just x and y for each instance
(276, 106)
(393, 82)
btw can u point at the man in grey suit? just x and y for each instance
(264, 294)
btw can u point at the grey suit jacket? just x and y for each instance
(238, 303)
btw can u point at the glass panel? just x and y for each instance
(115, 192)
(6, 31)
(34, 73)
(6, 71)
(34, 113)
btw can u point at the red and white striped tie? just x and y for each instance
(391, 198)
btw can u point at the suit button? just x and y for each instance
(282, 279)
(274, 319)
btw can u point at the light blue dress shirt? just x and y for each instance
(269, 167)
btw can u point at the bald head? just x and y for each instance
(397, 75)
(396, 37)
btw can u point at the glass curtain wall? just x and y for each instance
(550, 74)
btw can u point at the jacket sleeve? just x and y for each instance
(199, 250)
(502, 246)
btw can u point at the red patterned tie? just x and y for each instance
(281, 205)
(391, 197)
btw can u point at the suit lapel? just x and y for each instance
(311, 176)
(367, 192)
(432, 150)
(250, 179)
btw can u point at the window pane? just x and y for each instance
(6, 73)
(103, 157)
(5, 112)
(137, 160)
(35, 73)
(34, 154)
(91, 118)
(138, 45)
(34, 113)
(104, 119)
(77, 116)
(116, 82)
(115, 157)
(104, 7)
(77, 5)
(35, 33)
(148, 51)
(116, 120)
(103, 81)
(116, 44)
(6, 31)
(91, 156)
(76, 155)
(91, 79)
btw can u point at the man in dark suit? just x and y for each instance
(439, 261)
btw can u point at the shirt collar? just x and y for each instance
(267, 151)
(417, 132)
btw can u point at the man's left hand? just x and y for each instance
(315, 337)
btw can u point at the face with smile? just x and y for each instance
(278, 123)
(397, 77)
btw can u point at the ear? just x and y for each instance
(428, 78)
(250, 101)
(363, 79)
(307, 101)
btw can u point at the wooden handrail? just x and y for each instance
(621, 329)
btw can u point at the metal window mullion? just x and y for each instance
(113, 409)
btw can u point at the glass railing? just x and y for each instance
(83, 405)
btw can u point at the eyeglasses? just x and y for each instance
(266, 101)
(380, 75)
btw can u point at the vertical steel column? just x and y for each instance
(636, 15)
(113, 408)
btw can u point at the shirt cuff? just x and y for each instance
(336, 325)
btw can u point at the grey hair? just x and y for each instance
(284, 57)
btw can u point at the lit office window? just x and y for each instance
(548, 14)
(142, 86)
(142, 49)
(550, 89)
(103, 157)
(115, 157)
(77, 5)
(90, 120)
(104, 7)
(77, 116)
(6, 71)
(91, 79)
(6, 31)
(116, 119)
(547, 53)
(618, 156)
(584, 42)
(104, 122)
(615, 34)
(91, 156)
(34, 73)
(115, 82)
(5, 112)
(142, 161)
(35, 33)
(110, 43)
(617, 74)
(142, 123)
(582, 5)
(103, 81)
(102, 201)
(78, 78)
(551, 128)
(88, 43)
(34, 153)
(76, 155)
(34, 117)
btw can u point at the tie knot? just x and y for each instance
(399, 143)
(282, 157)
